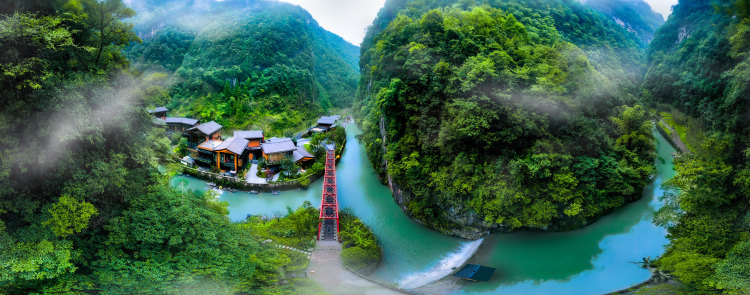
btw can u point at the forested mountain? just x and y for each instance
(244, 63)
(699, 65)
(504, 118)
(83, 206)
(636, 16)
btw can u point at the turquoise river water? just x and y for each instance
(593, 260)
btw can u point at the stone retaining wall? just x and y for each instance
(239, 183)
(242, 184)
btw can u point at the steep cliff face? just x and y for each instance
(484, 119)
(699, 66)
(636, 16)
(460, 222)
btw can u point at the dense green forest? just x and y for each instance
(505, 118)
(699, 65)
(83, 206)
(636, 16)
(244, 64)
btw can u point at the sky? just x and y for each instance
(350, 18)
(346, 18)
(664, 7)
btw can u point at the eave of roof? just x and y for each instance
(235, 145)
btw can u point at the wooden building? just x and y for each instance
(301, 155)
(204, 154)
(203, 132)
(159, 112)
(325, 123)
(232, 154)
(254, 140)
(276, 149)
(180, 125)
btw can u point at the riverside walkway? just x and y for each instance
(328, 271)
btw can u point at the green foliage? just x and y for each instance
(361, 250)
(297, 229)
(358, 258)
(304, 182)
(495, 113)
(262, 65)
(69, 216)
(698, 78)
(733, 273)
(83, 206)
(637, 16)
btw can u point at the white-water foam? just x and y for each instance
(443, 268)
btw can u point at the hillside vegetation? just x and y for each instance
(247, 64)
(636, 16)
(504, 118)
(83, 206)
(699, 64)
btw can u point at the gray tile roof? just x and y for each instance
(236, 145)
(158, 110)
(329, 120)
(186, 121)
(208, 128)
(252, 134)
(278, 139)
(301, 153)
(210, 145)
(278, 146)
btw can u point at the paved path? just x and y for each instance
(326, 269)
(676, 138)
(252, 175)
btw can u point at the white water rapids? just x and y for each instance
(444, 267)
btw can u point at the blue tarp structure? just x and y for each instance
(473, 272)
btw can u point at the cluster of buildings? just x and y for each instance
(207, 148)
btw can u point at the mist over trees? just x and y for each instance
(244, 64)
(505, 118)
(83, 206)
(490, 114)
(699, 65)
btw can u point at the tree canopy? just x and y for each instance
(698, 64)
(492, 113)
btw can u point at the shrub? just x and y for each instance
(358, 258)
(317, 167)
(304, 181)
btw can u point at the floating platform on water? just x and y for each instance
(474, 272)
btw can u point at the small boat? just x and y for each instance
(275, 193)
(254, 192)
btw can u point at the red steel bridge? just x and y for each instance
(328, 228)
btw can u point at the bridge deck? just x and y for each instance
(328, 228)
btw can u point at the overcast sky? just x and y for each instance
(346, 18)
(662, 6)
(350, 18)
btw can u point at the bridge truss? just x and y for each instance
(328, 228)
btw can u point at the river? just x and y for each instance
(593, 260)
